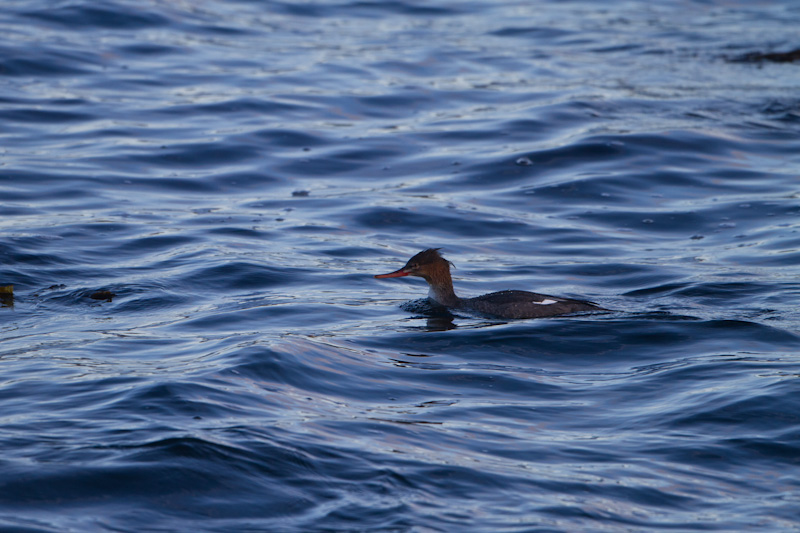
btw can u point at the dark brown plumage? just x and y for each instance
(435, 269)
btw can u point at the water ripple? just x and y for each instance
(195, 199)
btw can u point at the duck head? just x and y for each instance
(427, 264)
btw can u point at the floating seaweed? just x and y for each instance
(774, 57)
(102, 295)
(7, 296)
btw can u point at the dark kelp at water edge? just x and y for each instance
(7, 296)
(772, 57)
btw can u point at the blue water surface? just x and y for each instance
(194, 197)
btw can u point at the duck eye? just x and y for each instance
(414, 266)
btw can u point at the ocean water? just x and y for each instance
(194, 197)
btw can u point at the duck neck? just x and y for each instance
(441, 288)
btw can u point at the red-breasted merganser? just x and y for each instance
(435, 269)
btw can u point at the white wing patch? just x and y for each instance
(546, 301)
